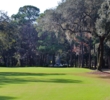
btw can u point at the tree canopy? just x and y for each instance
(76, 33)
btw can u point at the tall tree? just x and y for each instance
(75, 18)
(103, 29)
(27, 42)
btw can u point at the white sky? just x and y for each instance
(12, 6)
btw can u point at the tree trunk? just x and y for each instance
(101, 51)
(71, 58)
(79, 59)
(53, 59)
(86, 61)
(94, 60)
(82, 56)
(89, 63)
(109, 62)
(89, 60)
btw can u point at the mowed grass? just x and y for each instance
(52, 84)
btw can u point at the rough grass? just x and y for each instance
(52, 84)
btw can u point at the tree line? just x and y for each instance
(76, 34)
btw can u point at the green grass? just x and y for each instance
(51, 84)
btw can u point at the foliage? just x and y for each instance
(71, 31)
(103, 22)
(26, 14)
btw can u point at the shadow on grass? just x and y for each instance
(27, 74)
(7, 98)
(7, 78)
(64, 81)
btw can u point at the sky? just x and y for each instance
(12, 6)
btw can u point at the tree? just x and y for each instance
(74, 19)
(103, 29)
(27, 14)
(8, 33)
(26, 45)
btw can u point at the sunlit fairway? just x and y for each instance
(52, 84)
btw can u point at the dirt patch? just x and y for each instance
(103, 74)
